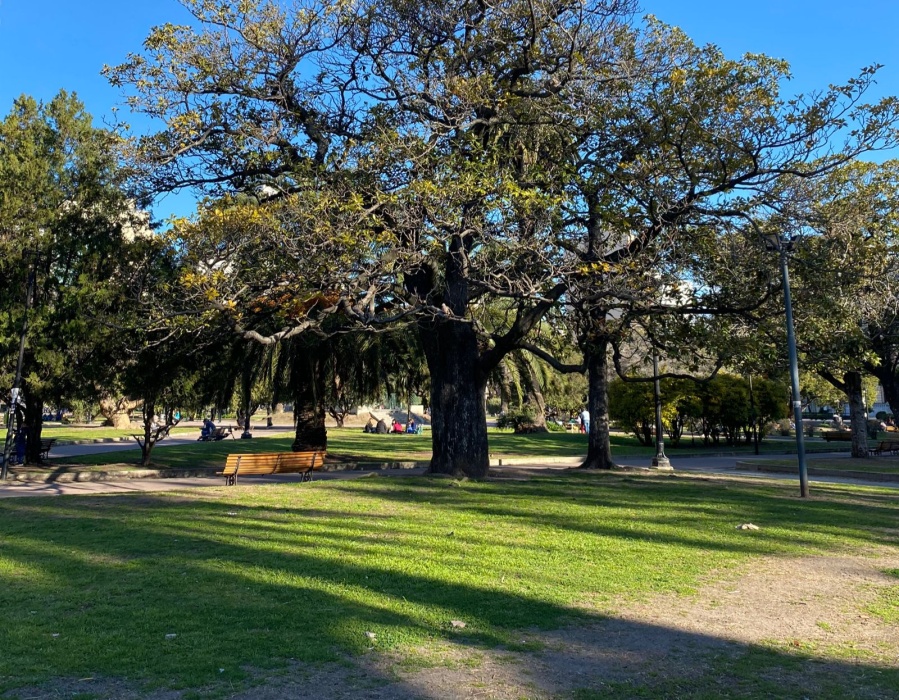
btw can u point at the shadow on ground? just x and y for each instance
(307, 595)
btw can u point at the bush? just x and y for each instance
(783, 427)
(519, 419)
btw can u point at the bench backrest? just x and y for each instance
(273, 463)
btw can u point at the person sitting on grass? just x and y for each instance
(208, 429)
(411, 427)
(397, 426)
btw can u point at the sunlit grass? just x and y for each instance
(880, 465)
(353, 444)
(887, 605)
(252, 576)
(65, 432)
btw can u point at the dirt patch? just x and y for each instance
(785, 609)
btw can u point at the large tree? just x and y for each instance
(62, 217)
(409, 131)
(670, 187)
(430, 157)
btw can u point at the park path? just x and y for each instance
(724, 466)
(72, 450)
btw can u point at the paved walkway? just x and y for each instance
(19, 489)
(60, 451)
(721, 465)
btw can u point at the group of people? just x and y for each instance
(381, 428)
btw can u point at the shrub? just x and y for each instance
(519, 419)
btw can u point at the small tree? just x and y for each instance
(632, 405)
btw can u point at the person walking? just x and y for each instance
(585, 421)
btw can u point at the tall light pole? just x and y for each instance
(781, 245)
(660, 461)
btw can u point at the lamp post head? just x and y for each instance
(772, 242)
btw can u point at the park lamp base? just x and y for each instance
(661, 463)
(246, 435)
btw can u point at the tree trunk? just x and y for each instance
(505, 388)
(458, 417)
(34, 419)
(858, 418)
(338, 416)
(890, 383)
(532, 392)
(308, 410)
(117, 410)
(149, 441)
(599, 445)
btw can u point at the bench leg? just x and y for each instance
(230, 479)
(307, 476)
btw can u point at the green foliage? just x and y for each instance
(632, 405)
(724, 407)
(64, 217)
(519, 419)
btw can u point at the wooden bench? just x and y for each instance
(886, 447)
(839, 435)
(46, 446)
(272, 463)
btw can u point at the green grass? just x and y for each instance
(65, 432)
(887, 605)
(353, 444)
(878, 465)
(251, 577)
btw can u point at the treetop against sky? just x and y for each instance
(46, 45)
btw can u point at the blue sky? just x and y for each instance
(46, 45)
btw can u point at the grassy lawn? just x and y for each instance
(353, 444)
(65, 432)
(253, 576)
(879, 465)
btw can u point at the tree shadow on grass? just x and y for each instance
(249, 585)
(692, 512)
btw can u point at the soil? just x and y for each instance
(788, 608)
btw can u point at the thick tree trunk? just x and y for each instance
(858, 419)
(117, 410)
(308, 410)
(458, 417)
(599, 445)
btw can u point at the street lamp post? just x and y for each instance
(660, 461)
(775, 243)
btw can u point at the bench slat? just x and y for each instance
(271, 463)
